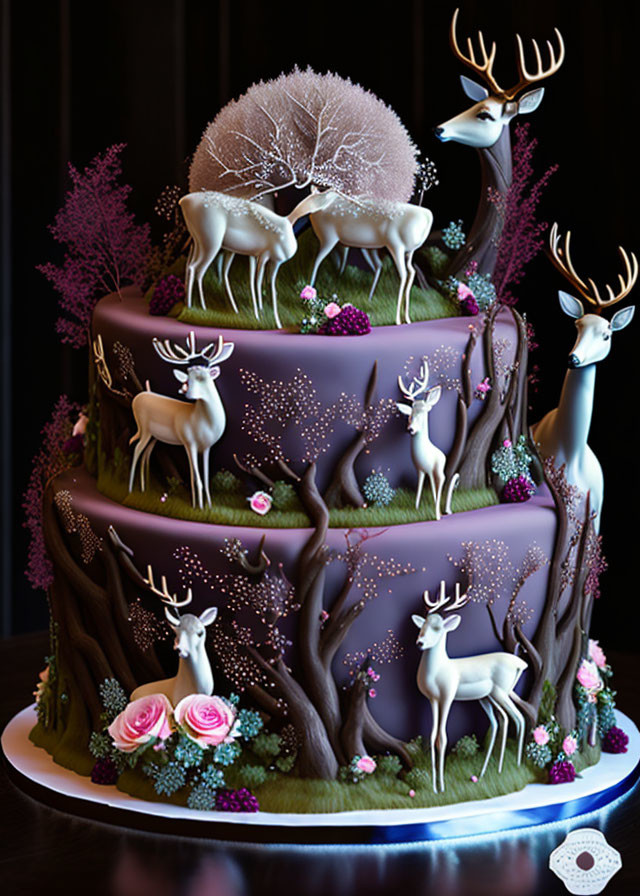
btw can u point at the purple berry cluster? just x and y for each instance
(104, 772)
(518, 489)
(469, 306)
(615, 741)
(236, 801)
(562, 772)
(168, 291)
(350, 322)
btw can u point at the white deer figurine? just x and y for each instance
(238, 226)
(563, 432)
(197, 426)
(194, 674)
(368, 224)
(427, 458)
(488, 678)
(485, 126)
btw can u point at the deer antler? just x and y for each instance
(419, 382)
(433, 605)
(164, 595)
(175, 354)
(561, 258)
(485, 67)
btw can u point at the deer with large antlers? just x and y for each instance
(563, 432)
(485, 126)
(428, 459)
(488, 678)
(196, 426)
(194, 674)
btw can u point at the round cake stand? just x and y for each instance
(35, 772)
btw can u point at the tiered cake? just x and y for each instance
(339, 519)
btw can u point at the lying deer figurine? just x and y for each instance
(489, 678)
(194, 669)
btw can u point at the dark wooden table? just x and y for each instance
(48, 852)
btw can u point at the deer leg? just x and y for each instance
(398, 255)
(189, 272)
(205, 474)
(442, 739)
(264, 258)
(274, 294)
(504, 722)
(225, 277)
(344, 253)
(419, 490)
(485, 703)
(511, 709)
(202, 265)
(323, 251)
(141, 445)
(192, 474)
(252, 284)
(435, 713)
(407, 289)
(144, 464)
(435, 480)
(455, 479)
(375, 263)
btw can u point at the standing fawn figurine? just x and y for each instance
(563, 432)
(197, 426)
(369, 224)
(238, 226)
(485, 126)
(427, 458)
(194, 674)
(489, 678)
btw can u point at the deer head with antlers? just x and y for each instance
(489, 678)
(194, 674)
(563, 432)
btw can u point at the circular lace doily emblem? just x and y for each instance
(585, 862)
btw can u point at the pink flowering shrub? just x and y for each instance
(105, 248)
(366, 764)
(141, 720)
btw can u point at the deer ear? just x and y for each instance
(418, 620)
(452, 622)
(208, 616)
(570, 305)
(214, 373)
(173, 620)
(404, 408)
(622, 318)
(181, 376)
(227, 350)
(529, 102)
(433, 397)
(473, 90)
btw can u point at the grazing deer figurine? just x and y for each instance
(427, 458)
(196, 426)
(238, 226)
(369, 224)
(194, 674)
(489, 678)
(563, 432)
(485, 126)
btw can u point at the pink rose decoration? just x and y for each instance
(507, 443)
(569, 745)
(589, 677)
(206, 720)
(142, 720)
(540, 735)
(308, 294)
(597, 654)
(332, 310)
(366, 764)
(373, 693)
(464, 292)
(260, 502)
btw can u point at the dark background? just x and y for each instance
(78, 77)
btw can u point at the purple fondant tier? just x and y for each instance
(335, 366)
(503, 536)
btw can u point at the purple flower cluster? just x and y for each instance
(170, 289)
(518, 489)
(469, 306)
(615, 741)
(562, 772)
(236, 801)
(104, 772)
(350, 322)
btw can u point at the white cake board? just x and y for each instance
(34, 771)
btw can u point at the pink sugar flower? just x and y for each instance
(474, 779)
(589, 677)
(366, 764)
(412, 793)
(540, 735)
(373, 693)
(464, 292)
(507, 443)
(260, 502)
(206, 720)
(308, 294)
(569, 745)
(332, 310)
(143, 719)
(597, 654)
